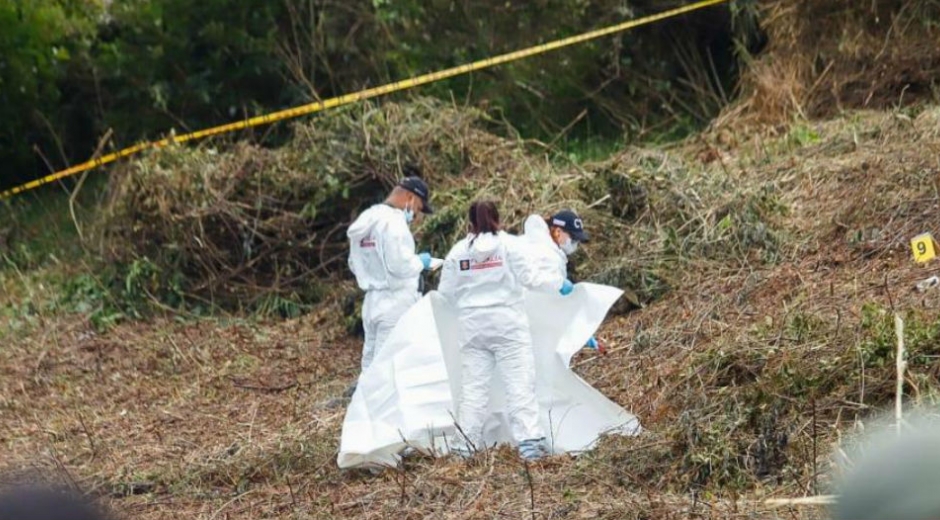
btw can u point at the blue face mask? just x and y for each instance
(409, 215)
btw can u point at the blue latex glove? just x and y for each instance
(597, 345)
(425, 259)
(566, 288)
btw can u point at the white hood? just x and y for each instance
(483, 246)
(536, 230)
(364, 225)
(546, 253)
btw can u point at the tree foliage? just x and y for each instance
(676, 69)
(73, 70)
(38, 39)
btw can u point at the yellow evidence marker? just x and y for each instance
(925, 249)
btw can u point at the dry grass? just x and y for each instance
(254, 229)
(216, 420)
(240, 227)
(745, 373)
(827, 56)
(783, 259)
(765, 267)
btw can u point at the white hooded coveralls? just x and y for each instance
(545, 252)
(483, 278)
(382, 257)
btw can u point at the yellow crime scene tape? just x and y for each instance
(347, 99)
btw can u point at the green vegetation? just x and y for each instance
(251, 230)
(177, 336)
(40, 42)
(77, 71)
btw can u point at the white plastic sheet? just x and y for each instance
(410, 393)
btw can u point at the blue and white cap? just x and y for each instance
(572, 224)
(420, 188)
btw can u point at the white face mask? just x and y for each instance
(409, 214)
(569, 246)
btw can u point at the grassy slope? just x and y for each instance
(234, 419)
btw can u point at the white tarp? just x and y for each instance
(410, 393)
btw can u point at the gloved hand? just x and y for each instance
(596, 345)
(425, 259)
(566, 288)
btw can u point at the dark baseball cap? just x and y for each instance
(420, 188)
(572, 224)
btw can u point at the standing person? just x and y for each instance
(483, 278)
(383, 259)
(553, 240)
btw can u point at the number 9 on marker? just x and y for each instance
(924, 248)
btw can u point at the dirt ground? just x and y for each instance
(235, 420)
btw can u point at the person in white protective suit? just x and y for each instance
(484, 277)
(383, 259)
(553, 240)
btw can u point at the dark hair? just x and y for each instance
(484, 217)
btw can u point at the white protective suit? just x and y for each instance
(412, 392)
(483, 278)
(382, 256)
(545, 252)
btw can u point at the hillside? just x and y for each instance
(758, 357)
(177, 337)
